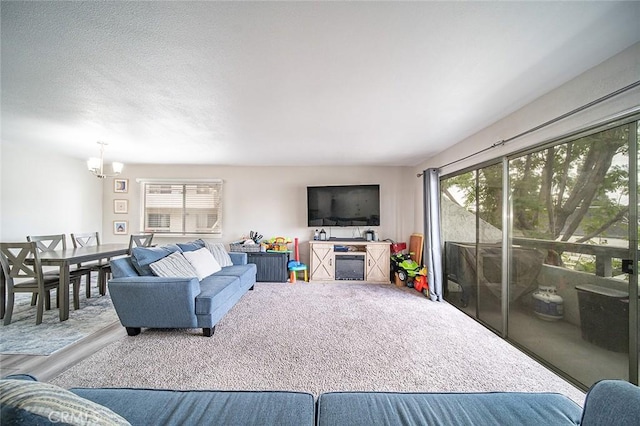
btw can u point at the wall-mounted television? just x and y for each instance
(343, 205)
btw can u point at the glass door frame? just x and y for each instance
(634, 309)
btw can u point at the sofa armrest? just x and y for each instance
(238, 258)
(612, 402)
(155, 302)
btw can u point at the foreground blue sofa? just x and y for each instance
(609, 402)
(142, 299)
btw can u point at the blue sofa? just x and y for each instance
(608, 402)
(25, 401)
(142, 299)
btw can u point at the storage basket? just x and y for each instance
(246, 248)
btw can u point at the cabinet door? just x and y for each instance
(322, 263)
(377, 263)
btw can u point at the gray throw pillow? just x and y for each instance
(219, 253)
(174, 265)
(142, 257)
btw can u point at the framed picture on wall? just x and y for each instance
(121, 206)
(121, 185)
(120, 227)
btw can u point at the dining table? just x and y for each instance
(63, 259)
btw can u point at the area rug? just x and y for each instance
(319, 338)
(23, 336)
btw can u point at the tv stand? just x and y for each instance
(376, 256)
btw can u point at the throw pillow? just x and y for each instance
(191, 246)
(219, 253)
(142, 257)
(43, 403)
(174, 265)
(203, 262)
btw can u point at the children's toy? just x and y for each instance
(279, 244)
(295, 265)
(409, 269)
(255, 236)
(397, 256)
(420, 282)
(396, 260)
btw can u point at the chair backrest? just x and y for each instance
(49, 242)
(85, 239)
(20, 260)
(416, 244)
(140, 240)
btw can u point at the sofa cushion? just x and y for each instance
(203, 262)
(214, 291)
(142, 257)
(493, 408)
(219, 253)
(246, 273)
(191, 245)
(30, 402)
(202, 407)
(174, 265)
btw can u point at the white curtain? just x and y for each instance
(433, 244)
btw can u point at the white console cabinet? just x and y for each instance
(365, 260)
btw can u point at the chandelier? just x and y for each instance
(96, 165)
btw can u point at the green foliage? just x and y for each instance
(576, 188)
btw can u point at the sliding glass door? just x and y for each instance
(472, 231)
(570, 204)
(570, 252)
(489, 248)
(459, 223)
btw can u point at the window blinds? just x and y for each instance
(183, 207)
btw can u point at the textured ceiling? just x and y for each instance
(271, 83)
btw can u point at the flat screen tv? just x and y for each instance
(345, 205)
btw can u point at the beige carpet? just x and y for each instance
(324, 337)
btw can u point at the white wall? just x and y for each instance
(617, 72)
(45, 193)
(270, 200)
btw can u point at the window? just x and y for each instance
(174, 207)
(159, 221)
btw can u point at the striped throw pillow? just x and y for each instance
(44, 403)
(174, 265)
(219, 253)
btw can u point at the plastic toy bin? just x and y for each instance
(604, 316)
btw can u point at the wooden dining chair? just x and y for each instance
(103, 269)
(140, 240)
(59, 242)
(23, 274)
